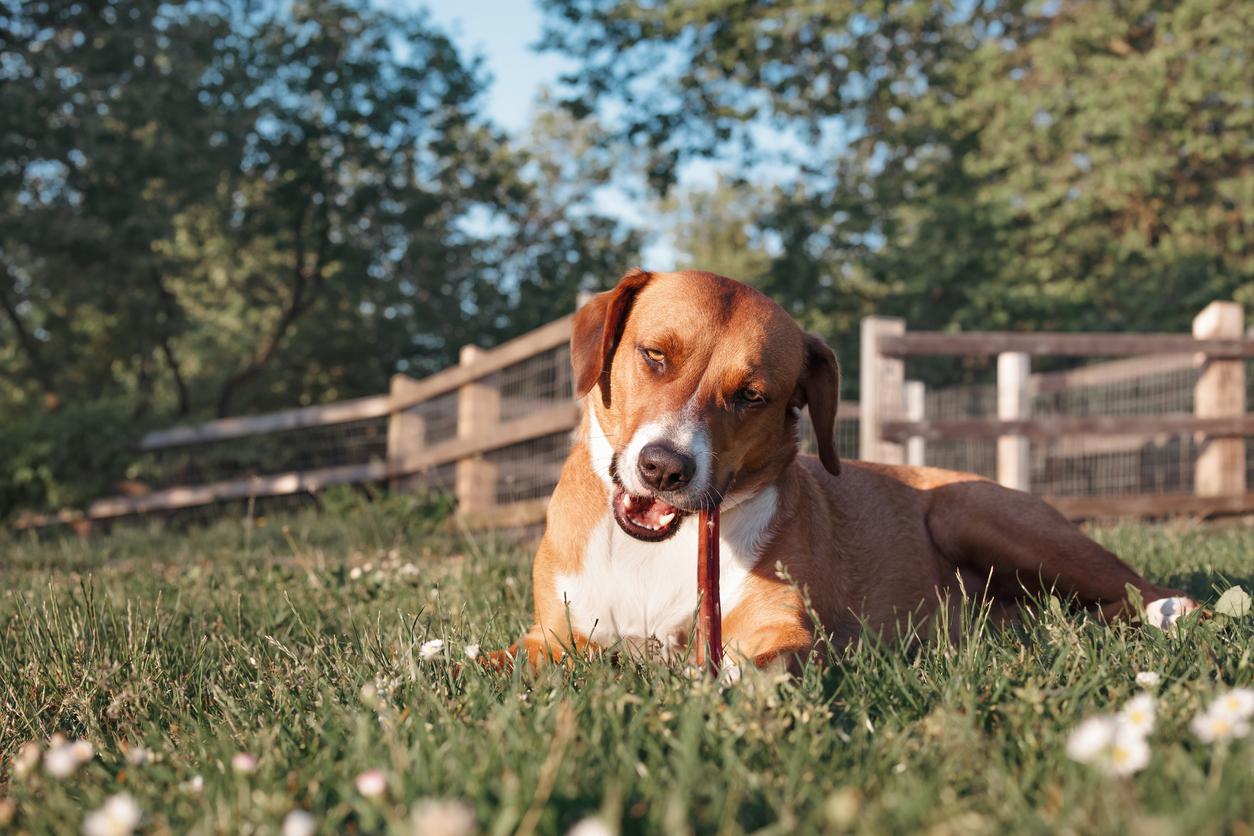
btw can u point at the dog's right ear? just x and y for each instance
(598, 328)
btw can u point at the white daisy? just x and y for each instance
(1128, 753)
(372, 783)
(472, 652)
(1110, 744)
(1219, 727)
(1237, 704)
(138, 756)
(1148, 679)
(26, 759)
(119, 816)
(442, 817)
(1092, 737)
(244, 763)
(61, 761)
(299, 823)
(431, 650)
(1138, 714)
(591, 826)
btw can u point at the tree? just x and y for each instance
(1064, 166)
(229, 206)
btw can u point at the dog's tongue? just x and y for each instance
(648, 511)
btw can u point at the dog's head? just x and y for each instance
(700, 380)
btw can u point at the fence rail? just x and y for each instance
(1159, 431)
(1150, 448)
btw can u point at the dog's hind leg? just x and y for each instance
(1021, 539)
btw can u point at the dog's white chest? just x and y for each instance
(633, 591)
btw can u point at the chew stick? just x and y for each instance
(710, 623)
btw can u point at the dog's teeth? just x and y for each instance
(629, 500)
(666, 519)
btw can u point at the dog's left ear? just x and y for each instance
(819, 388)
(597, 329)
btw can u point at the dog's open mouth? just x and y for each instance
(646, 517)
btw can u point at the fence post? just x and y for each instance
(478, 412)
(1220, 392)
(1014, 403)
(916, 410)
(882, 379)
(406, 430)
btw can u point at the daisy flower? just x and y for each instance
(372, 783)
(1226, 718)
(299, 823)
(61, 761)
(472, 652)
(244, 763)
(1138, 714)
(591, 826)
(442, 817)
(119, 816)
(431, 650)
(1237, 704)
(1148, 679)
(26, 759)
(1109, 744)
(1218, 727)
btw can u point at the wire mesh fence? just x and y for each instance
(1084, 466)
(308, 448)
(498, 429)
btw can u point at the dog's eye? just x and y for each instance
(653, 357)
(750, 396)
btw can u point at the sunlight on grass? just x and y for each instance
(222, 680)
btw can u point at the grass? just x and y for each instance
(229, 639)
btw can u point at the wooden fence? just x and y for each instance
(895, 429)
(494, 429)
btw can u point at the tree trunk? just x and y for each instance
(306, 281)
(29, 346)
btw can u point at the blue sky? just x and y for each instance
(503, 32)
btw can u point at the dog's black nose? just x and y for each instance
(664, 468)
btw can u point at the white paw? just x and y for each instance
(1165, 612)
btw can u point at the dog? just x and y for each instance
(693, 385)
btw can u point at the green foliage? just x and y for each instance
(261, 640)
(227, 206)
(67, 458)
(1002, 165)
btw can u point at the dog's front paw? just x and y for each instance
(1165, 612)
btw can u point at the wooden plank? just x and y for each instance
(407, 428)
(478, 415)
(561, 417)
(1152, 505)
(915, 398)
(916, 343)
(544, 338)
(27, 520)
(1054, 427)
(1113, 371)
(882, 381)
(279, 484)
(1220, 392)
(1014, 403)
(375, 406)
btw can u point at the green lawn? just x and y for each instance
(198, 646)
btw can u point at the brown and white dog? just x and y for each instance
(694, 384)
